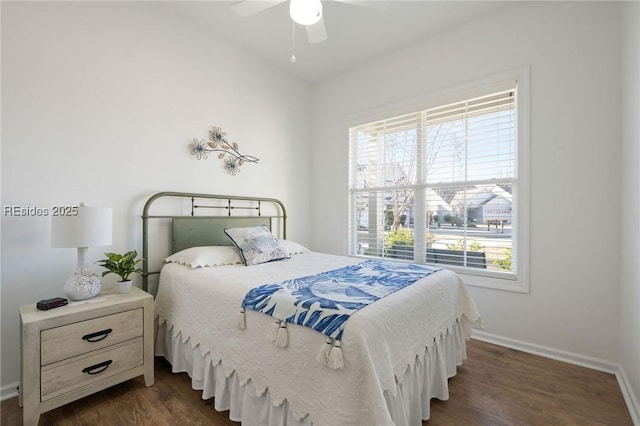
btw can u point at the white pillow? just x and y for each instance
(198, 257)
(256, 244)
(292, 247)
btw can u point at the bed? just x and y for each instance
(396, 354)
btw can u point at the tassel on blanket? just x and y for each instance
(331, 354)
(282, 335)
(336, 360)
(272, 332)
(325, 350)
(241, 320)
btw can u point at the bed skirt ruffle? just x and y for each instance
(425, 380)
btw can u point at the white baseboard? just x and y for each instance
(629, 396)
(557, 354)
(9, 391)
(572, 358)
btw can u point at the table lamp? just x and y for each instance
(90, 227)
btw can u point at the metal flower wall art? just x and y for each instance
(227, 151)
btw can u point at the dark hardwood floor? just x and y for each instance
(495, 386)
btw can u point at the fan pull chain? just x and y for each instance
(293, 42)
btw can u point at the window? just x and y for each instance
(444, 185)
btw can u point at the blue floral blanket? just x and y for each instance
(324, 302)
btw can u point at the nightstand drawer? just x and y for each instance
(68, 375)
(78, 338)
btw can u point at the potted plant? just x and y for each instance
(122, 265)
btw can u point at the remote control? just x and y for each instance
(56, 302)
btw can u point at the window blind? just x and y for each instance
(438, 185)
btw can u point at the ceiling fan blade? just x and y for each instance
(249, 7)
(379, 5)
(317, 32)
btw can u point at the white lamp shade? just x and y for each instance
(92, 226)
(305, 12)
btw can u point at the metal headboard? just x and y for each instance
(192, 230)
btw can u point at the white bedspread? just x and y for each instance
(379, 341)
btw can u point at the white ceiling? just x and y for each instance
(356, 35)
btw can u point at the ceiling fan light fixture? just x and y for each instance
(305, 12)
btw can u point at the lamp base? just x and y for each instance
(83, 284)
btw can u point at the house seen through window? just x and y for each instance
(439, 186)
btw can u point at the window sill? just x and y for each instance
(509, 283)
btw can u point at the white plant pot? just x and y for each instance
(124, 286)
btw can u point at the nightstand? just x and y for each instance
(79, 349)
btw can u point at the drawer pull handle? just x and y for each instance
(100, 367)
(97, 336)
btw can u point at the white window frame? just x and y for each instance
(518, 281)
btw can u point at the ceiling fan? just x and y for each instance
(304, 12)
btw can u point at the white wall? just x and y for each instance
(573, 52)
(630, 272)
(100, 101)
